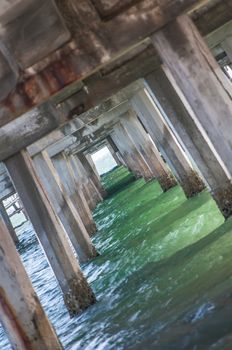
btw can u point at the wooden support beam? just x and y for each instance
(130, 153)
(6, 219)
(90, 192)
(96, 42)
(93, 165)
(68, 106)
(214, 15)
(91, 174)
(94, 90)
(21, 313)
(64, 169)
(56, 141)
(28, 128)
(81, 181)
(64, 207)
(183, 122)
(167, 143)
(201, 81)
(90, 142)
(114, 154)
(50, 232)
(151, 155)
(98, 87)
(112, 145)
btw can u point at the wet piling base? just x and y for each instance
(192, 185)
(79, 296)
(223, 198)
(167, 181)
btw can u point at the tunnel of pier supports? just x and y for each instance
(147, 80)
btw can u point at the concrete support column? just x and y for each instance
(148, 150)
(114, 154)
(50, 232)
(90, 191)
(21, 313)
(80, 181)
(90, 171)
(191, 135)
(6, 219)
(203, 84)
(132, 156)
(64, 169)
(115, 150)
(93, 166)
(64, 207)
(167, 143)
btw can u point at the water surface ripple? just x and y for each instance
(163, 280)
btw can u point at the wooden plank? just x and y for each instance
(50, 232)
(201, 81)
(219, 35)
(99, 88)
(164, 90)
(38, 88)
(33, 125)
(209, 18)
(64, 207)
(58, 141)
(31, 29)
(97, 43)
(21, 313)
(16, 135)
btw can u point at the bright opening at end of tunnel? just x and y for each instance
(103, 160)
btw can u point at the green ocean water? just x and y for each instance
(170, 262)
(163, 279)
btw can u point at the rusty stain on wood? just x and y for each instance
(15, 323)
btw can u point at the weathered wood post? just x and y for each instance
(80, 181)
(130, 153)
(167, 143)
(90, 191)
(151, 155)
(50, 232)
(90, 171)
(204, 85)
(21, 313)
(114, 154)
(115, 149)
(6, 219)
(197, 144)
(64, 207)
(64, 169)
(93, 166)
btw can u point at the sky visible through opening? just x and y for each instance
(103, 160)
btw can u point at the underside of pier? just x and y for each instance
(115, 174)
